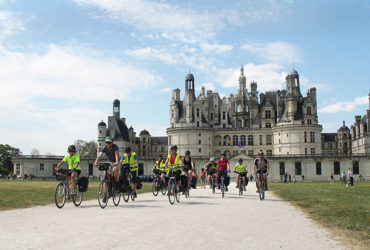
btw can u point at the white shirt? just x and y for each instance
(350, 174)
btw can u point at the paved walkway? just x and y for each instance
(204, 221)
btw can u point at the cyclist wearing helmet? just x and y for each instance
(189, 165)
(111, 150)
(73, 161)
(241, 170)
(174, 160)
(131, 159)
(211, 169)
(159, 167)
(223, 168)
(261, 165)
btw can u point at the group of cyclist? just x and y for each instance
(161, 167)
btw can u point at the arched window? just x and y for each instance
(227, 140)
(144, 140)
(250, 140)
(239, 123)
(228, 153)
(242, 140)
(235, 140)
(246, 123)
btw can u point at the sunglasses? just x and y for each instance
(108, 142)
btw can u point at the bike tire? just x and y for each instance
(155, 186)
(261, 191)
(126, 196)
(178, 194)
(60, 193)
(103, 192)
(171, 192)
(213, 186)
(222, 188)
(132, 196)
(164, 190)
(77, 198)
(116, 196)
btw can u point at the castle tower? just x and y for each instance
(102, 133)
(242, 82)
(116, 108)
(189, 97)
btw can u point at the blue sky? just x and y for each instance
(63, 62)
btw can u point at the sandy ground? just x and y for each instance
(204, 221)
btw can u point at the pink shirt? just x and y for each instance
(222, 165)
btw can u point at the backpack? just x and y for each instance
(83, 183)
(139, 185)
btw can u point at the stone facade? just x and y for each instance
(279, 122)
(360, 131)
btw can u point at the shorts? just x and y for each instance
(133, 174)
(70, 172)
(203, 180)
(211, 172)
(261, 171)
(243, 174)
(177, 175)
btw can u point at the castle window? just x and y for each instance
(268, 125)
(305, 136)
(200, 142)
(308, 110)
(211, 117)
(309, 121)
(144, 140)
(269, 152)
(223, 125)
(330, 146)
(345, 136)
(42, 166)
(235, 140)
(305, 151)
(268, 139)
(246, 124)
(312, 136)
(298, 168)
(282, 168)
(337, 168)
(200, 134)
(239, 123)
(197, 112)
(169, 140)
(356, 167)
(200, 150)
(261, 140)
(197, 124)
(223, 115)
(250, 140)
(18, 168)
(312, 151)
(318, 168)
(268, 114)
(243, 140)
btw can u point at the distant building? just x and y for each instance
(360, 131)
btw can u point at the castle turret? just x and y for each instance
(242, 82)
(116, 108)
(102, 133)
(189, 97)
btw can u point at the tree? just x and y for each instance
(86, 149)
(35, 151)
(6, 164)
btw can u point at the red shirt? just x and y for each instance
(172, 160)
(222, 164)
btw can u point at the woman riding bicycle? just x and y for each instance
(158, 168)
(241, 170)
(73, 161)
(223, 168)
(189, 165)
(174, 160)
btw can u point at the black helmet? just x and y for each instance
(173, 147)
(223, 154)
(72, 148)
(160, 156)
(128, 150)
(187, 153)
(240, 160)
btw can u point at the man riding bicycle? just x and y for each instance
(174, 160)
(73, 161)
(261, 166)
(111, 150)
(241, 170)
(211, 169)
(131, 159)
(189, 165)
(159, 168)
(223, 168)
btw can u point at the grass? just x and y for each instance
(24, 194)
(342, 210)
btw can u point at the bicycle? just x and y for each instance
(261, 187)
(61, 194)
(107, 187)
(128, 192)
(240, 184)
(158, 184)
(186, 187)
(173, 192)
(222, 182)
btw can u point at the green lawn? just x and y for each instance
(23, 194)
(343, 210)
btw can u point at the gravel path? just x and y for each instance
(204, 221)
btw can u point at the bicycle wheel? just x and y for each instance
(103, 194)
(213, 186)
(177, 193)
(126, 196)
(261, 191)
(132, 196)
(116, 196)
(240, 187)
(60, 195)
(171, 191)
(164, 189)
(77, 198)
(155, 186)
(222, 188)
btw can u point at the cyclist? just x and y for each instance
(131, 159)
(211, 169)
(189, 165)
(158, 167)
(111, 150)
(223, 168)
(73, 161)
(241, 170)
(174, 159)
(261, 165)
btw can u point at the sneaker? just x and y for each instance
(105, 199)
(135, 195)
(73, 192)
(226, 189)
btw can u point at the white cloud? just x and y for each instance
(275, 51)
(10, 24)
(216, 48)
(165, 90)
(344, 106)
(150, 53)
